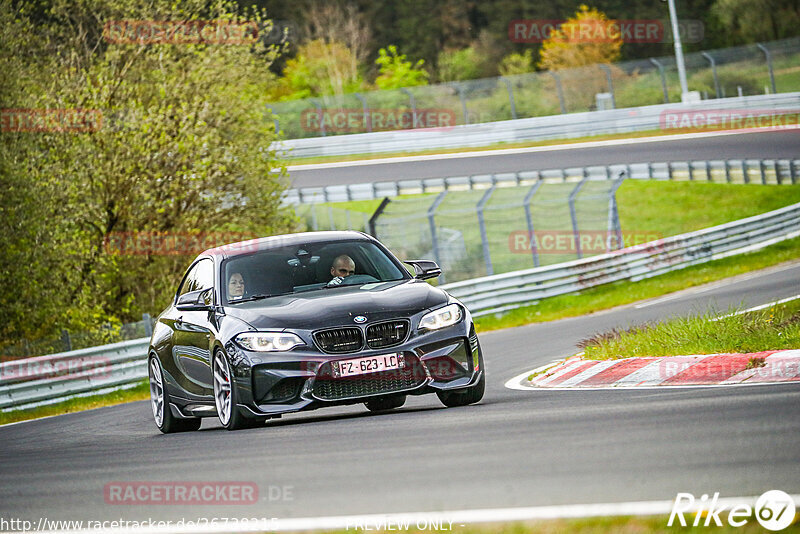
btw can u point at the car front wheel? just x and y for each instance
(226, 396)
(159, 402)
(465, 396)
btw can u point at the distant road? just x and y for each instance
(760, 145)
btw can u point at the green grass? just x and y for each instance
(137, 393)
(619, 293)
(774, 328)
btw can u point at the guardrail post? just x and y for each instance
(560, 91)
(66, 341)
(573, 214)
(769, 66)
(432, 223)
(367, 117)
(320, 115)
(708, 172)
(529, 220)
(650, 170)
(763, 171)
(413, 103)
(777, 170)
(461, 97)
(663, 78)
(482, 223)
(610, 82)
(376, 216)
(745, 174)
(277, 125)
(792, 171)
(727, 171)
(148, 324)
(713, 72)
(691, 171)
(669, 170)
(510, 97)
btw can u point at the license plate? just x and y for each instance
(368, 364)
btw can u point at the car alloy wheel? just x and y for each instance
(160, 403)
(156, 392)
(222, 388)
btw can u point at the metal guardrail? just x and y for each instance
(624, 120)
(48, 379)
(503, 292)
(44, 380)
(767, 171)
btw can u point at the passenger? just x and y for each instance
(235, 286)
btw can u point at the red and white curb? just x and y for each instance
(780, 366)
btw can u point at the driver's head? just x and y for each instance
(343, 266)
(236, 285)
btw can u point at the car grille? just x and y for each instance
(339, 340)
(385, 382)
(386, 334)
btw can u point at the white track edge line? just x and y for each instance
(458, 517)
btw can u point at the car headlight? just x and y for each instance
(441, 318)
(268, 341)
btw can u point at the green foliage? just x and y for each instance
(396, 71)
(454, 65)
(181, 149)
(515, 63)
(319, 69)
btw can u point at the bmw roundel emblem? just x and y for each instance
(360, 319)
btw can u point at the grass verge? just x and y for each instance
(774, 328)
(619, 293)
(79, 404)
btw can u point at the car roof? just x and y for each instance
(275, 241)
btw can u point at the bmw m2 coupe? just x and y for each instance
(303, 321)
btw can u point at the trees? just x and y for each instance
(583, 39)
(396, 71)
(182, 148)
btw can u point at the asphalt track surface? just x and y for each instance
(515, 448)
(760, 145)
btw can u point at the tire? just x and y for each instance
(385, 403)
(463, 397)
(159, 402)
(226, 396)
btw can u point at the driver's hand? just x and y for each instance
(337, 280)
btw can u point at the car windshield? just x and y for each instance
(306, 267)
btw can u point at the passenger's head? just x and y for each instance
(236, 285)
(343, 266)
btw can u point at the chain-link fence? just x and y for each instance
(547, 218)
(66, 340)
(744, 70)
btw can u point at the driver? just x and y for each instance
(343, 266)
(235, 286)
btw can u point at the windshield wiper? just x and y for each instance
(257, 297)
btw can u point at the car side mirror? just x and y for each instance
(199, 300)
(425, 269)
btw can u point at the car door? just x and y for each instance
(193, 333)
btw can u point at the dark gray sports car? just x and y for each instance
(302, 321)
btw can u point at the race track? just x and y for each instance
(761, 145)
(516, 448)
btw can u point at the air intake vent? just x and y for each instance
(339, 340)
(387, 334)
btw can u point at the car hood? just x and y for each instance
(333, 307)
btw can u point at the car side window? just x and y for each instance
(201, 276)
